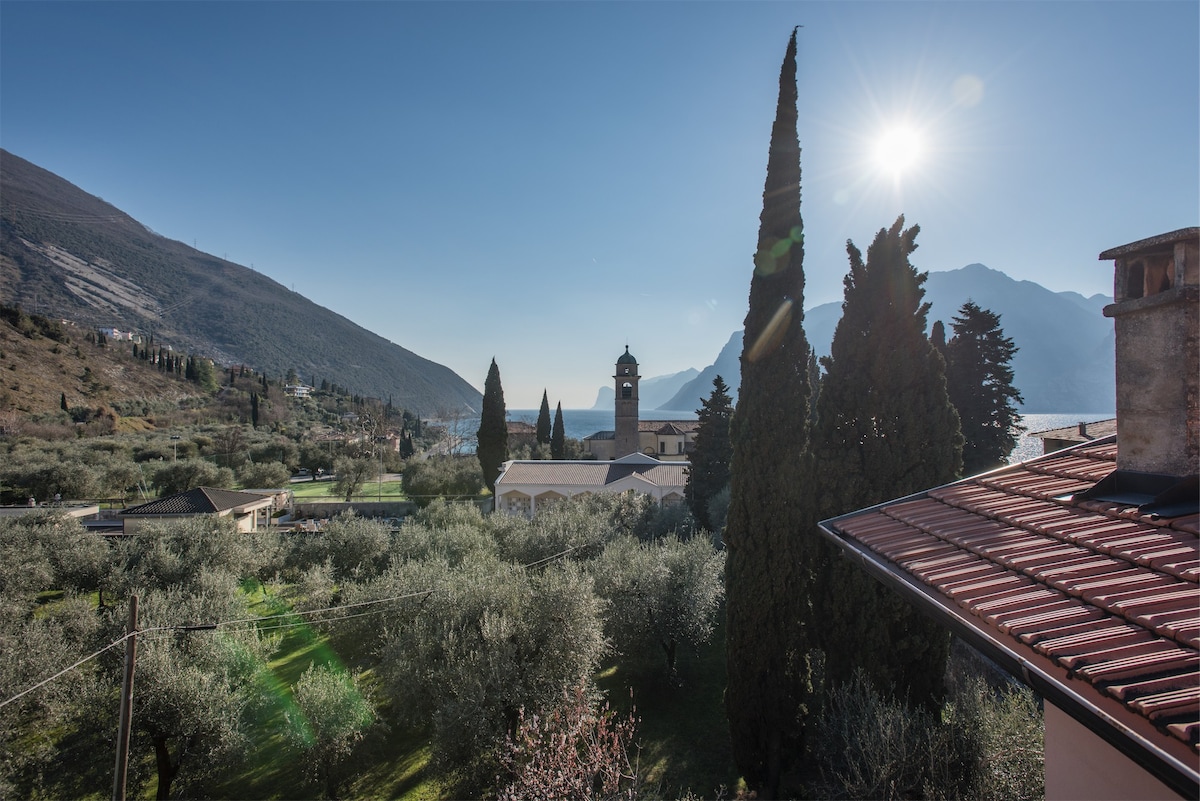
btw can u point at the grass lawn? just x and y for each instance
(371, 490)
(683, 734)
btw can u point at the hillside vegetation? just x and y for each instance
(70, 255)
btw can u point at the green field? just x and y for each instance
(372, 490)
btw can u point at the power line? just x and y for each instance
(184, 627)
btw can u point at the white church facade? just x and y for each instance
(649, 457)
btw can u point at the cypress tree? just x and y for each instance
(979, 379)
(62, 403)
(543, 421)
(492, 437)
(770, 532)
(558, 437)
(254, 409)
(886, 429)
(709, 471)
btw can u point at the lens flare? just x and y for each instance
(772, 335)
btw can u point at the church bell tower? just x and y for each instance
(626, 439)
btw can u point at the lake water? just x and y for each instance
(579, 423)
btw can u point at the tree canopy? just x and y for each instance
(558, 437)
(492, 448)
(979, 379)
(709, 471)
(885, 429)
(543, 421)
(770, 555)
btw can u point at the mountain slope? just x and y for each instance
(1066, 361)
(79, 258)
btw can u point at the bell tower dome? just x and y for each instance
(626, 378)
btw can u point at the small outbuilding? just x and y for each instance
(249, 509)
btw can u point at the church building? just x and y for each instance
(665, 440)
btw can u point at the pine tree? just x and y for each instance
(770, 532)
(492, 437)
(979, 379)
(558, 437)
(543, 421)
(886, 429)
(709, 471)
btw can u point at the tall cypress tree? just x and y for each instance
(558, 437)
(543, 421)
(492, 436)
(979, 379)
(770, 532)
(709, 471)
(885, 429)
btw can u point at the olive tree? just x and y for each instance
(329, 720)
(194, 689)
(659, 594)
(489, 639)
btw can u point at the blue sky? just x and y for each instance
(545, 182)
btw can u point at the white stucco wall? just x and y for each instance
(1080, 765)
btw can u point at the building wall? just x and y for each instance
(1080, 765)
(1157, 411)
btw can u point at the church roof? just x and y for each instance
(626, 357)
(654, 427)
(592, 473)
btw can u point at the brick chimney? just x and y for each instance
(1156, 289)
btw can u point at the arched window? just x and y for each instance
(627, 390)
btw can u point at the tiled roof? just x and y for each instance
(590, 473)
(1091, 431)
(1092, 602)
(520, 427)
(657, 426)
(654, 427)
(202, 500)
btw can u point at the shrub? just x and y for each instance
(575, 750)
(442, 477)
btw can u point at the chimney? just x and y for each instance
(1156, 291)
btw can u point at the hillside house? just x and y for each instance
(521, 434)
(524, 487)
(667, 440)
(1055, 439)
(251, 510)
(299, 391)
(1077, 571)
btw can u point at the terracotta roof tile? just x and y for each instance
(1105, 592)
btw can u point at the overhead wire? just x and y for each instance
(183, 627)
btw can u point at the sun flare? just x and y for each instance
(898, 150)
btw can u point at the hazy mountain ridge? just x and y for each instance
(1066, 357)
(652, 392)
(69, 254)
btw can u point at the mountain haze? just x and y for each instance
(1066, 362)
(66, 253)
(653, 393)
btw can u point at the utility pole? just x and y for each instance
(126, 703)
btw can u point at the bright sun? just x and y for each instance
(898, 150)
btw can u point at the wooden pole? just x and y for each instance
(126, 703)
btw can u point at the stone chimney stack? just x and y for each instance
(1156, 289)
